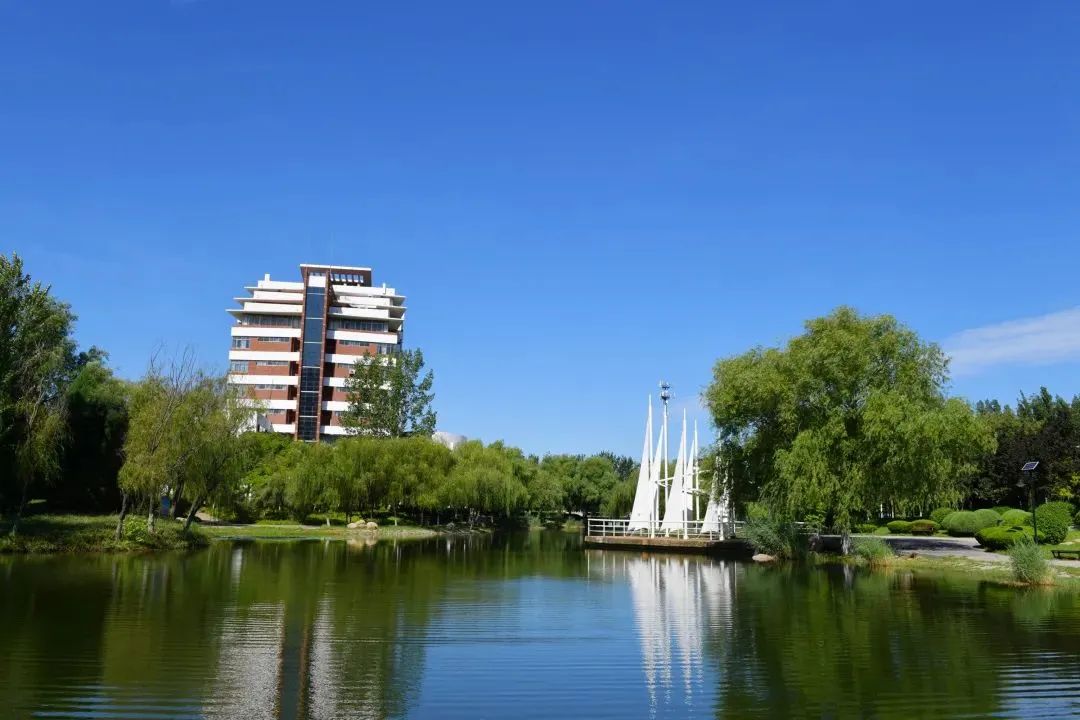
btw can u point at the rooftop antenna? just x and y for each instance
(665, 395)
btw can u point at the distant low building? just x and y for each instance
(450, 440)
(295, 343)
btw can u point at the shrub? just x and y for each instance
(1076, 520)
(939, 515)
(882, 531)
(1016, 517)
(772, 537)
(1000, 537)
(923, 527)
(1028, 564)
(873, 550)
(1053, 519)
(136, 531)
(899, 527)
(1001, 509)
(866, 528)
(964, 523)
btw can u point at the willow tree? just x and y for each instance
(160, 440)
(218, 413)
(848, 416)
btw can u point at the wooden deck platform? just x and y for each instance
(734, 547)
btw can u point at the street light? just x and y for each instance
(665, 396)
(1028, 480)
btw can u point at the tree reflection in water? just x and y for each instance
(526, 625)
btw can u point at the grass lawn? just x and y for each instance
(96, 533)
(93, 533)
(1071, 542)
(287, 529)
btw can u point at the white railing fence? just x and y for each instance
(620, 527)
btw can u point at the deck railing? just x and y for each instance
(620, 527)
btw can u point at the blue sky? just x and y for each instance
(578, 198)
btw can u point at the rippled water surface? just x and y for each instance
(527, 626)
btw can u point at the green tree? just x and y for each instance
(158, 442)
(307, 480)
(36, 360)
(97, 420)
(1043, 427)
(390, 396)
(261, 490)
(849, 415)
(216, 414)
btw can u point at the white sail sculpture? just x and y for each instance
(683, 487)
(676, 512)
(643, 515)
(717, 512)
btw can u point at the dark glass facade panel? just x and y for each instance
(305, 427)
(314, 302)
(311, 358)
(309, 404)
(312, 354)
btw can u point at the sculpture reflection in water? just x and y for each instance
(680, 603)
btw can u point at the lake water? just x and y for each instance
(524, 626)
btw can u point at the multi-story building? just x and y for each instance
(295, 343)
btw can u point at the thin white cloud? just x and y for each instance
(1040, 340)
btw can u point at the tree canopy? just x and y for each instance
(846, 417)
(390, 396)
(37, 358)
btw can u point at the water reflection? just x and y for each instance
(679, 602)
(526, 625)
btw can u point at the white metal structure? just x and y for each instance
(681, 491)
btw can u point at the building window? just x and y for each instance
(271, 363)
(275, 339)
(366, 325)
(238, 366)
(386, 349)
(241, 343)
(253, 320)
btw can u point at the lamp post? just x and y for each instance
(1028, 480)
(665, 395)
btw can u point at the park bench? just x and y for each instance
(1066, 554)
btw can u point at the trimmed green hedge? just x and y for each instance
(899, 527)
(1001, 509)
(923, 527)
(1000, 537)
(882, 531)
(940, 514)
(1053, 519)
(1016, 517)
(965, 523)
(866, 528)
